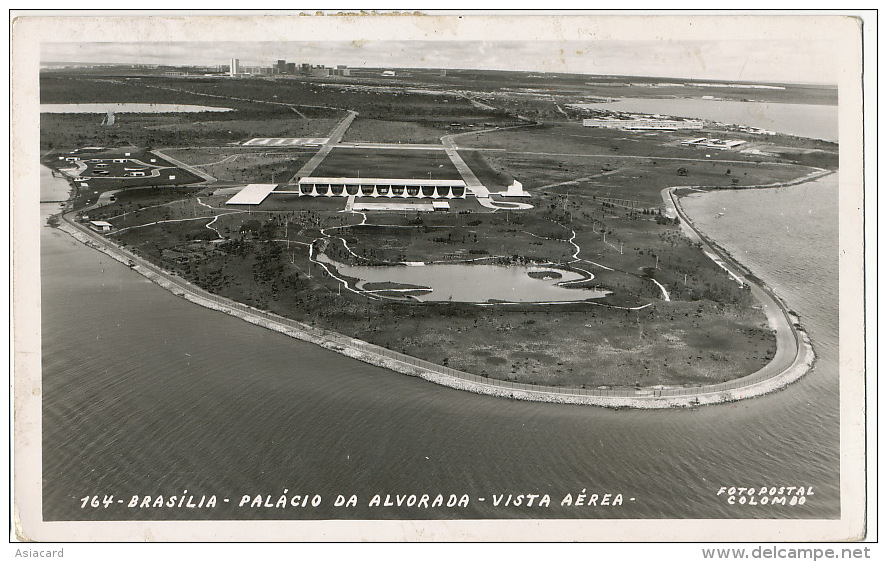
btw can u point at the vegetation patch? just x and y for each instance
(544, 275)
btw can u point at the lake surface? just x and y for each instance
(803, 120)
(126, 108)
(474, 283)
(53, 188)
(145, 393)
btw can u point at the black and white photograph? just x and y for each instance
(456, 277)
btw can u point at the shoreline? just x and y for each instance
(801, 354)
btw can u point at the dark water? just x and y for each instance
(803, 120)
(145, 393)
(475, 283)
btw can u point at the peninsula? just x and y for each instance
(482, 229)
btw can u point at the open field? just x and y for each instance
(573, 138)
(245, 165)
(379, 130)
(579, 86)
(279, 124)
(263, 118)
(427, 130)
(492, 179)
(637, 180)
(231, 93)
(296, 203)
(175, 129)
(419, 164)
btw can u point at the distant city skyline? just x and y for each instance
(782, 60)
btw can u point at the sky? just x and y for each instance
(776, 60)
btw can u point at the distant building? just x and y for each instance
(642, 124)
(720, 144)
(235, 67)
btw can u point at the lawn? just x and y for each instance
(400, 164)
(247, 165)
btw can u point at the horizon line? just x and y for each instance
(704, 80)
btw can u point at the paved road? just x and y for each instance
(474, 184)
(467, 174)
(639, 157)
(206, 177)
(788, 342)
(335, 138)
(390, 145)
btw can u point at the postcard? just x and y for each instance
(439, 277)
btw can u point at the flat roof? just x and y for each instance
(382, 181)
(289, 141)
(386, 206)
(102, 223)
(252, 194)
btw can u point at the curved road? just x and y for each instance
(788, 340)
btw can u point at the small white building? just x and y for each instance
(101, 226)
(721, 144)
(516, 189)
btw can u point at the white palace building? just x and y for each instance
(381, 187)
(309, 186)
